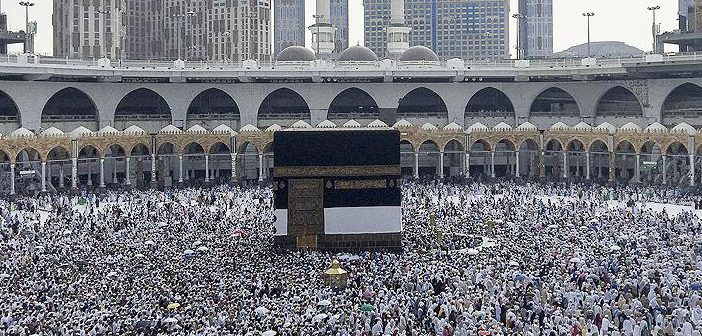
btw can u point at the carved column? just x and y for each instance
(467, 165)
(416, 165)
(612, 167)
(43, 176)
(102, 172)
(587, 165)
(207, 168)
(637, 174)
(180, 168)
(260, 167)
(492, 163)
(665, 178)
(441, 164)
(127, 171)
(692, 169)
(565, 164)
(516, 164)
(233, 177)
(12, 178)
(74, 173)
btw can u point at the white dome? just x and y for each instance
(684, 127)
(656, 127)
(326, 124)
(79, 132)
(559, 126)
(631, 127)
(358, 53)
(108, 130)
(249, 128)
(52, 132)
(429, 127)
(477, 127)
(502, 126)
(527, 126)
(170, 129)
(453, 127)
(21, 132)
(224, 129)
(274, 128)
(296, 54)
(402, 123)
(583, 126)
(377, 123)
(301, 124)
(611, 129)
(419, 54)
(352, 124)
(134, 129)
(197, 129)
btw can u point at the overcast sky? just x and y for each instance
(615, 20)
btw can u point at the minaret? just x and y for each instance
(398, 32)
(322, 31)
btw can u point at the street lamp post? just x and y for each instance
(654, 28)
(519, 18)
(588, 15)
(26, 5)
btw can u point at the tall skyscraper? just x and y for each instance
(92, 30)
(340, 21)
(467, 29)
(289, 24)
(218, 30)
(536, 28)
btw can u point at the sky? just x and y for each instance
(615, 20)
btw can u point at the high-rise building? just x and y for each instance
(289, 24)
(340, 21)
(536, 28)
(687, 37)
(165, 29)
(467, 29)
(92, 30)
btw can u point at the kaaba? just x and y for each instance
(337, 189)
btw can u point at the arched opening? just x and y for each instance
(599, 161)
(88, 169)
(454, 159)
(212, 108)
(194, 163)
(248, 166)
(529, 159)
(354, 104)
(424, 105)
(489, 103)
(480, 159)
(429, 162)
(677, 166)
(683, 104)
(651, 163)
(619, 102)
(58, 163)
(575, 162)
(220, 162)
(28, 172)
(168, 166)
(504, 158)
(10, 118)
(140, 167)
(553, 159)
(115, 165)
(68, 109)
(554, 102)
(145, 108)
(283, 107)
(625, 162)
(406, 158)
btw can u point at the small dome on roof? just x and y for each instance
(527, 126)
(358, 53)
(296, 54)
(274, 128)
(429, 127)
(377, 123)
(352, 124)
(685, 127)
(453, 127)
(402, 123)
(170, 129)
(108, 130)
(419, 54)
(52, 131)
(559, 126)
(224, 129)
(326, 124)
(134, 129)
(80, 131)
(611, 129)
(631, 127)
(301, 124)
(21, 132)
(249, 128)
(197, 129)
(476, 127)
(656, 127)
(502, 126)
(582, 126)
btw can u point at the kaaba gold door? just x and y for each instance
(306, 211)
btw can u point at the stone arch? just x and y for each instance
(87, 150)
(283, 106)
(575, 164)
(554, 102)
(619, 102)
(677, 166)
(353, 103)
(422, 103)
(683, 103)
(489, 102)
(213, 106)
(28, 154)
(429, 152)
(144, 107)
(167, 148)
(88, 169)
(480, 158)
(10, 116)
(139, 149)
(68, 109)
(529, 158)
(219, 148)
(248, 166)
(407, 150)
